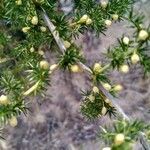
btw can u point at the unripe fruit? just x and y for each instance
(104, 4)
(135, 58)
(25, 29)
(67, 44)
(83, 19)
(108, 23)
(29, 18)
(143, 35)
(13, 121)
(88, 21)
(4, 100)
(119, 139)
(18, 2)
(75, 68)
(53, 67)
(97, 67)
(34, 20)
(124, 68)
(95, 89)
(40, 52)
(44, 64)
(118, 88)
(91, 98)
(106, 148)
(32, 49)
(108, 102)
(107, 86)
(43, 29)
(126, 40)
(115, 17)
(104, 110)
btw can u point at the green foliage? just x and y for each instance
(70, 57)
(122, 53)
(146, 63)
(25, 41)
(94, 105)
(11, 84)
(98, 14)
(130, 129)
(101, 76)
(14, 109)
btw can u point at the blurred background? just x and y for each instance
(55, 123)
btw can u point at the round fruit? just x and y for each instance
(124, 68)
(44, 64)
(143, 35)
(108, 23)
(95, 89)
(119, 139)
(4, 100)
(126, 40)
(13, 121)
(34, 20)
(135, 58)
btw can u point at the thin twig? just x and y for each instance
(63, 49)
